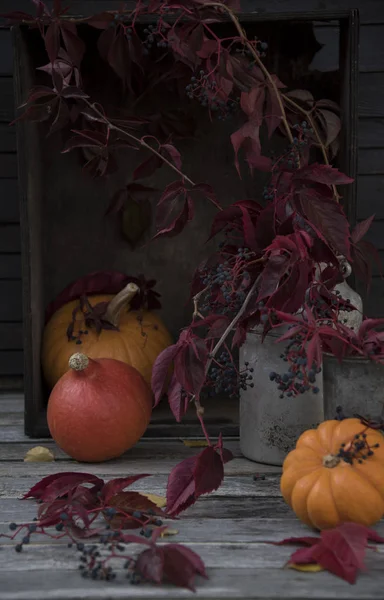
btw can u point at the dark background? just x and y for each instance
(370, 168)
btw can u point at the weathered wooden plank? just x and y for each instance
(11, 362)
(214, 507)
(214, 555)
(11, 336)
(7, 110)
(217, 531)
(8, 164)
(371, 11)
(370, 193)
(10, 299)
(129, 464)
(9, 201)
(371, 95)
(232, 486)
(247, 530)
(10, 266)
(7, 138)
(231, 582)
(6, 52)
(374, 301)
(371, 161)
(9, 238)
(371, 133)
(11, 402)
(375, 234)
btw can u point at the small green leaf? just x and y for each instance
(135, 219)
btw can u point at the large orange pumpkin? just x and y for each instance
(98, 409)
(140, 337)
(336, 474)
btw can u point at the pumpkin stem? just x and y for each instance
(78, 362)
(119, 303)
(330, 461)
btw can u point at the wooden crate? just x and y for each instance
(65, 234)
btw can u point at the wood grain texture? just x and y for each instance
(11, 335)
(9, 201)
(231, 583)
(9, 237)
(371, 95)
(10, 266)
(10, 300)
(11, 362)
(371, 161)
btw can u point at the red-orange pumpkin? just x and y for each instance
(98, 409)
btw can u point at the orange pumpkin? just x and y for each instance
(98, 409)
(140, 338)
(336, 474)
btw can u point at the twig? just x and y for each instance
(138, 141)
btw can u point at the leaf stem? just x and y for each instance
(138, 141)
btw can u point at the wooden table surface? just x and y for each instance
(226, 529)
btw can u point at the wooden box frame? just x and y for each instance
(30, 187)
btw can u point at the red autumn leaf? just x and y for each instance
(218, 326)
(209, 472)
(118, 485)
(327, 217)
(178, 222)
(173, 563)
(39, 488)
(208, 192)
(52, 40)
(161, 370)
(190, 362)
(247, 136)
(273, 113)
(181, 486)
(324, 174)
(147, 168)
(128, 503)
(361, 229)
(305, 540)
(74, 45)
(340, 550)
(314, 354)
(98, 282)
(273, 272)
(173, 153)
(178, 399)
(181, 565)
(150, 564)
(67, 483)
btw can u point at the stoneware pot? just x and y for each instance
(356, 384)
(270, 425)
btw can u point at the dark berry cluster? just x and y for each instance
(299, 377)
(154, 37)
(224, 377)
(227, 284)
(204, 89)
(268, 193)
(358, 449)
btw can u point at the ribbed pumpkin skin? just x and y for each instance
(99, 413)
(128, 344)
(324, 497)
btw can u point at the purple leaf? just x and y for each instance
(115, 486)
(209, 472)
(161, 371)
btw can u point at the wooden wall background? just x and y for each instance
(371, 154)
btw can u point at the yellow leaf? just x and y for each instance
(311, 568)
(169, 531)
(39, 454)
(160, 501)
(195, 443)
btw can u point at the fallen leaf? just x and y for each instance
(195, 443)
(312, 568)
(167, 532)
(39, 454)
(160, 501)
